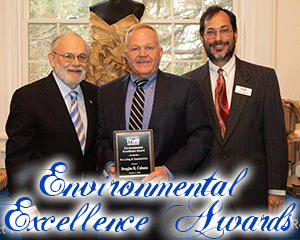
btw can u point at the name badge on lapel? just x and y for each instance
(243, 90)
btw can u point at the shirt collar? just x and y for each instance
(227, 68)
(65, 89)
(151, 79)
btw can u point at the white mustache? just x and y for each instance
(76, 69)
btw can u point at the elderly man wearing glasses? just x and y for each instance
(52, 119)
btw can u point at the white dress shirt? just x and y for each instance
(228, 73)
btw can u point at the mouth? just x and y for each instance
(75, 71)
(219, 46)
(143, 62)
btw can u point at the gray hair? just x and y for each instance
(136, 27)
(55, 41)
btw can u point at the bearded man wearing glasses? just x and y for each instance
(245, 111)
(52, 119)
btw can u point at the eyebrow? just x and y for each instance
(219, 27)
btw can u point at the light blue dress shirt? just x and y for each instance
(149, 89)
(65, 90)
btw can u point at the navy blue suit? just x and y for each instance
(181, 129)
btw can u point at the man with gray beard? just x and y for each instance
(245, 111)
(53, 118)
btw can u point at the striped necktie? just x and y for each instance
(77, 121)
(221, 102)
(137, 107)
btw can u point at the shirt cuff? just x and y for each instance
(277, 192)
(171, 176)
(30, 209)
(107, 166)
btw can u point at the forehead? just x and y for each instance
(142, 36)
(220, 19)
(71, 44)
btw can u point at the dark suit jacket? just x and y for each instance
(39, 127)
(181, 129)
(255, 134)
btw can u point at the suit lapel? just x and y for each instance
(238, 100)
(58, 108)
(120, 99)
(90, 114)
(160, 96)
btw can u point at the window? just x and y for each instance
(176, 21)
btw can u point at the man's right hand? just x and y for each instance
(112, 172)
(35, 213)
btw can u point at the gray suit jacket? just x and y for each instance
(255, 135)
(181, 129)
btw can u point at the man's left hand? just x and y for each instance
(159, 174)
(275, 203)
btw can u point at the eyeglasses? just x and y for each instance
(211, 33)
(69, 57)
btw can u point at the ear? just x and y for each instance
(201, 38)
(236, 35)
(126, 54)
(51, 58)
(161, 51)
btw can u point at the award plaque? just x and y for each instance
(134, 154)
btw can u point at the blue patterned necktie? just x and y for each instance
(137, 107)
(77, 121)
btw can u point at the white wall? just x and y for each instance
(256, 20)
(9, 60)
(288, 48)
(269, 35)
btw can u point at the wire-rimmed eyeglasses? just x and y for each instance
(69, 57)
(211, 33)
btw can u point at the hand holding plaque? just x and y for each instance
(134, 154)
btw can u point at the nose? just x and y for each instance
(143, 52)
(218, 35)
(75, 62)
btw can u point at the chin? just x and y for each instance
(219, 58)
(144, 74)
(219, 55)
(143, 70)
(73, 81)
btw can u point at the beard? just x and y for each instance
(223, 59)
(62, 73)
